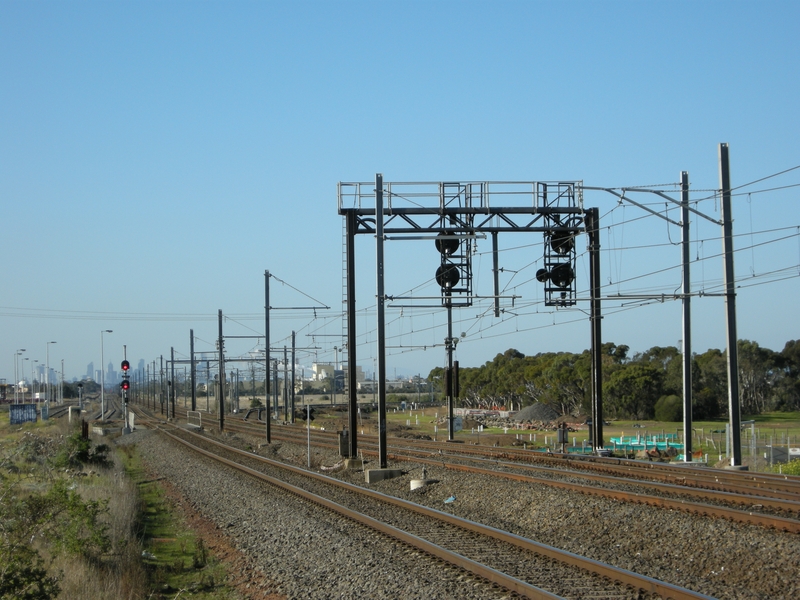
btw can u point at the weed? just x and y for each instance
(200, 558)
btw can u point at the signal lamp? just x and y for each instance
(562, 242)
(446, 245)
(447, 276)
(562, 275)
(125, 365)
(125, 385)
(542, 275)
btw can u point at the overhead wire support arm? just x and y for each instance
(299, 308)
(659, 193)
(321, 304)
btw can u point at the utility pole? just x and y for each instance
(448, 376)
(352, 399)
(734, 407)
(193, 369)
(293, 363)
(267, 356)
(221, 342)
(686, 301)
(172, 378)
(592, 223)
(161, 384)
(285, 383)
(381, 337)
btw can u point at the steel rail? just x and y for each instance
(615, 574)
(501, 579)
(685, 484)
(756, 486)
(751, 517)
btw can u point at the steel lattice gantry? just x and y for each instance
(454, 215)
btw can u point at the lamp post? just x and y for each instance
(17, 354)
(23, 379)
(103, 378)
(47, 374)
(33, 388)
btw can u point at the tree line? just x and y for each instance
(645, 385)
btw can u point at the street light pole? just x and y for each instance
(47, 374)
(17, 354)
(103, 378)
(23, 379)
(33, 388)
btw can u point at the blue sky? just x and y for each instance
(157, 157)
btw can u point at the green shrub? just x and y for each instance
(78, 451)
(669, 408)
(23, 575)
(200, 557)
(71, 524)
(790, 468)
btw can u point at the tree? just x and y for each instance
(710, 387)
(632, 391)
(787, 387)
(756, 376)
(669, 408)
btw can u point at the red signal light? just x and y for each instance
(125, 365)
(125, 385)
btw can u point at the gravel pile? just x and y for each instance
(306, 553)
(537, 412)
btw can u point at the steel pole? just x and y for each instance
(734, 407)
(172, 378)
(687, 321)
(593, 231)
(193, 369)
(352, 398)
(221, 391)
(293, 363)
(382, 450)
(267, 356)
(449, 374)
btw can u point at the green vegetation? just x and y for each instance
(633, 386)
(790, 468)
(175, 557)
(669, 408)
(44, 516)
(77, 451)
(72, 525)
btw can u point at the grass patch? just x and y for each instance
(175, 557)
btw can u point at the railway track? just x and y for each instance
(519, 565)
(777, 508)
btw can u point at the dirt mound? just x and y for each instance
(537, 412)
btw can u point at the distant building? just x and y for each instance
(322, 371)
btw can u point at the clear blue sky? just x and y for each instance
(157, 157)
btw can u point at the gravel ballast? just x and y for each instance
(306, 551)
(309, 553)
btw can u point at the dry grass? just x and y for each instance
(119, 575)
(122, 578)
